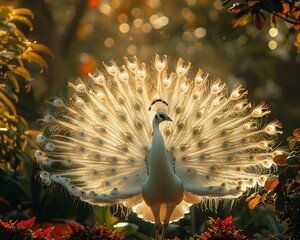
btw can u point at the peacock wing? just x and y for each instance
(220, 145)
(96, 145)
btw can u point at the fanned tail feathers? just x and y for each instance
(96, 144)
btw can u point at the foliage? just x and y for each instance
(282, 192)
(15, 53)
(26, 230)
(220, 230)
(19, 59)
(22, 230)
(95, 232)
(245, 10)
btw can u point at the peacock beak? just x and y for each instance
(169, 119)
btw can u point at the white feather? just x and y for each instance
(105, 147)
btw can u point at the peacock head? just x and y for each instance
(161, 116)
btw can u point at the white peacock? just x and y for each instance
(114, 141)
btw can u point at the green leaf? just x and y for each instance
(295, 198)
(280, 201)
(278, 5)
(131, 229)
(291, 172)
(294, 186)
(268, 5)
(104, 216)
(293, 160)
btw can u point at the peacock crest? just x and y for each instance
(106, 145)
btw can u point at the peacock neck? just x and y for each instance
(159, 161)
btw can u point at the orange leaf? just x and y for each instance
(296, 132)
(242, 20)
(251, 3)
(286, 8)
(291, 138)
(264, 197)
(236, 8)
(297, 11)
(23, 11)
(7, 102)
(280, 160)
(252, 203)
(296, 27)
(260, 20)
(270, 185)
(271, 206)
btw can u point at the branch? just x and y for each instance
(71, 29)
(284, 19)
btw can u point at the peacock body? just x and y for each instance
(155, 142)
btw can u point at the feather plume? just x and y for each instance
(99, 144)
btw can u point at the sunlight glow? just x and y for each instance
(120, 224)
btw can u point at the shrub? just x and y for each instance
(22, 230)
(282, 192)
(220, 229)
(96, 232)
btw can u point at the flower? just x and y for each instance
(22, 230)
(43, 234)
(220, 229)
(96, 232)
(26, 224)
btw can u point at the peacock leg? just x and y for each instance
(170, 208)
(156, 213)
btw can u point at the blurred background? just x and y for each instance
(83, 34)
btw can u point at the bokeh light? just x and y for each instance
(146, 27)
(200, 32)
(273, 32)
(124, 27)
(272, 44)
(159, 22)
(105, 9)
(122, 18)
(109, 42)
(131, 49)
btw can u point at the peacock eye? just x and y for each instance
(161, 116)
